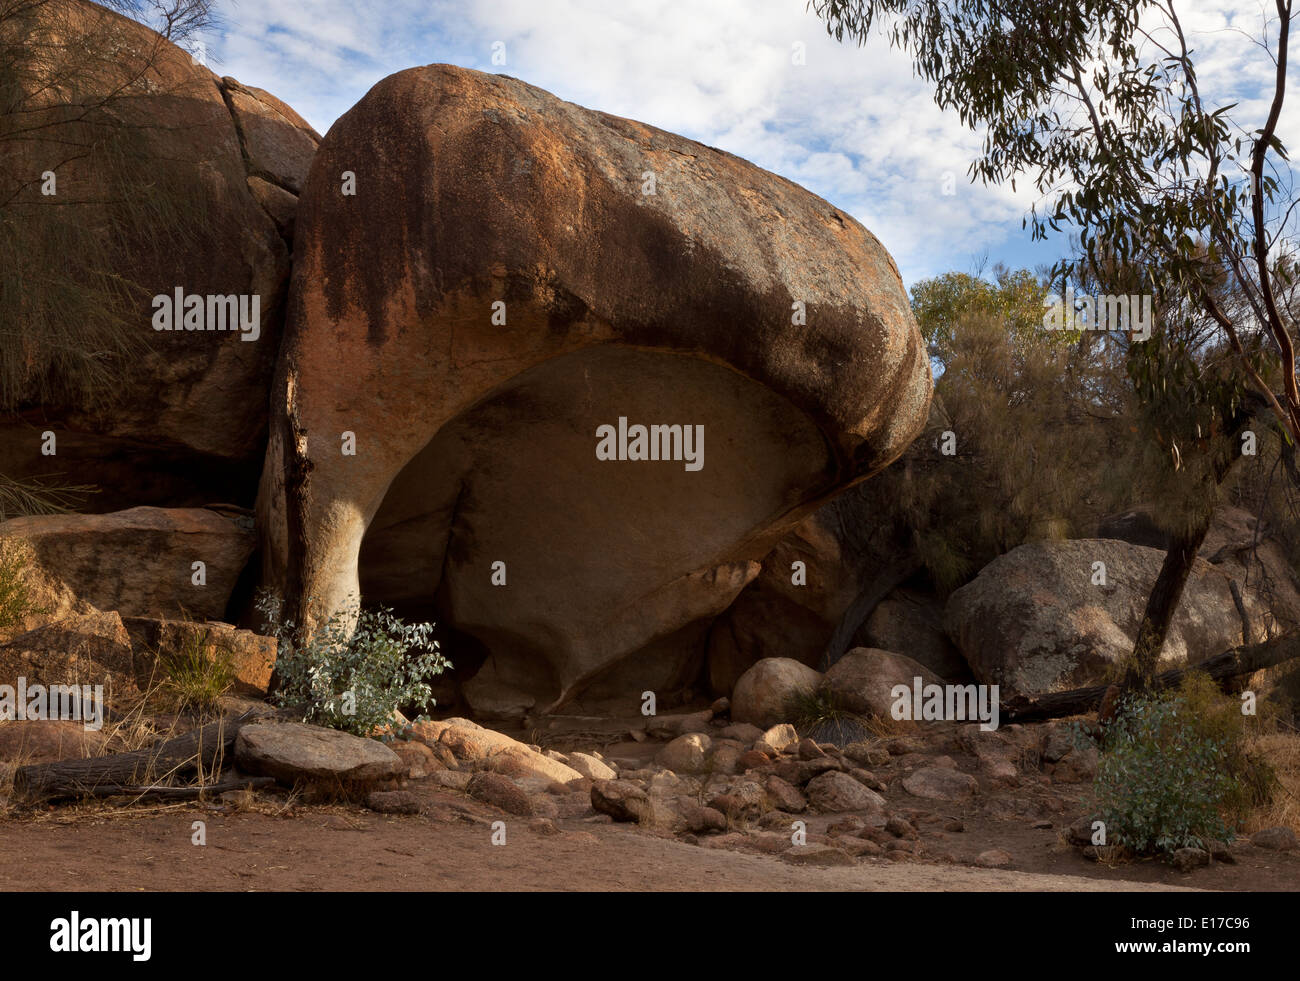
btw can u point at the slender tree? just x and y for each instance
(1098, 102)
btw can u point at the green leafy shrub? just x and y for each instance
(355, 669)
(1173, 772)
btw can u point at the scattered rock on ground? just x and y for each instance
(1279, 839)
(291, 751)
(763, 694)
(419, 758)
(777, 739)
(686, 754)
(499, 791)
(620, 799)
(686, 814)
(941, 783)
(742, 732)
(833, 792)
(867, 754)
(785, 796)
(823, 856)
(809, 750)
(451, 779)
(470, 743)
(590, 767)
(1078, 766)
(1188, 859)
(393, 802)
(725, 758)
(864, 679)
(994, 858)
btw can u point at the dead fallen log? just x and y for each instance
(190, 792)
(208, 746)
(1223, 668)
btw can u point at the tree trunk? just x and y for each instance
(1162, 604)
(884, 583)
(192, 792)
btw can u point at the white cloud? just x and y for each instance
(852, 124)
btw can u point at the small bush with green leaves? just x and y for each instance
(1170, 771)
(355, 669)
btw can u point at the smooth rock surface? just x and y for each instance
(1033, 621)
(763, 694)
(291, 751)
(478, 439)
(834, 792)
(941, 783)
(478, 747)
(864, 679)
(139, 562)
(184, 418)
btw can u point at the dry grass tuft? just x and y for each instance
(1281, 748)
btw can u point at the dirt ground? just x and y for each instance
(448, 847)
(274, 841)
(341, 850)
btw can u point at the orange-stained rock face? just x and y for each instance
(476, 438)
(278, 144)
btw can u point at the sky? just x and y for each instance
(851, 124)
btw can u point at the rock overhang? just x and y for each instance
(603, 241)
(709, 265)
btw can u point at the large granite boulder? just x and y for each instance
(765, 694)
(79, 649)
(1240, 548)
(511, 274)
(911, 622)
(160, 164)
(1034, 621)
(141, 562)
(864, 679)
